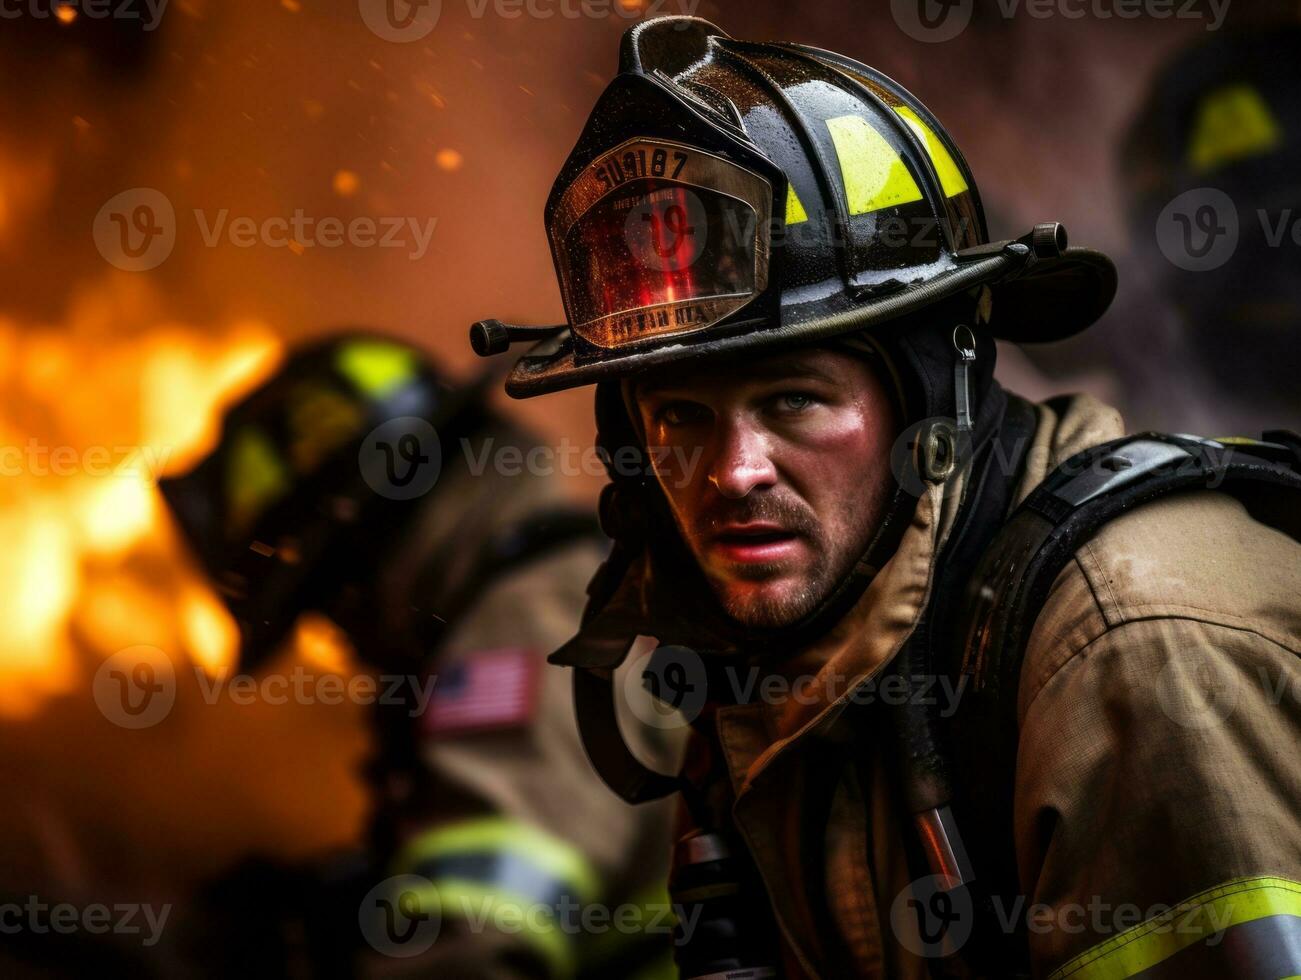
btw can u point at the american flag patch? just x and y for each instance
(487, 690)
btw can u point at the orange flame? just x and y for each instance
(91, 560)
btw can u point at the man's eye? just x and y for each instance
(680, 413)
(795, 401)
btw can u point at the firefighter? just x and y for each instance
(976, 686)
(1209, 166)
(357, 483)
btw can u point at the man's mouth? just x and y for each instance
(755, 542)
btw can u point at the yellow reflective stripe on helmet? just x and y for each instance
(875, 176)
(481, 906)
(378, 368)
(321, 419)
(1198, 918)
(1233, 122)
(945, 166)
(795, 212)
(557, 858)
(255, 476)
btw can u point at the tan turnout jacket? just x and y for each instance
(1159, 759)
(516, 816)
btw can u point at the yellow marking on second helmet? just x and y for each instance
(1233, 122)
(255, 477)
(377, 367)
(875, 176)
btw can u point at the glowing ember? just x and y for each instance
(346, 183)
(448, 159)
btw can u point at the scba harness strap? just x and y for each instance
(1011, 584)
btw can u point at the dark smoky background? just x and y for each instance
(260, 109)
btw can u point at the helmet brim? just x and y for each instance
(1051, 300)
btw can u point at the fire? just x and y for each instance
(94, 411)
(91, 418)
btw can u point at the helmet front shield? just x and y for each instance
(657, 237)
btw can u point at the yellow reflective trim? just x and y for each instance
(945, 166)
(875, 176)
(662, 969)
(255, 476)
(559, 859)
(795, 212)
(321, 419)
(378, 368)
(453, 899)
(1200, 917)
(655, 909)
(1232, 123)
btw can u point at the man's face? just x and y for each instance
(778, 474)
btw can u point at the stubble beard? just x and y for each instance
(831, 560)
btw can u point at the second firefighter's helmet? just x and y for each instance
(728, 196)
(295, 510)
(1211, 170)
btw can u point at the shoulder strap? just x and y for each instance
(1087, 491)
(1011, 582)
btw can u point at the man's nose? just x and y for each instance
(742, 462)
